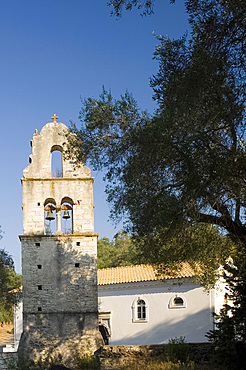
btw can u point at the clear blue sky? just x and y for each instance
(52, 52)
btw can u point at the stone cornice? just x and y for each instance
(59, 179)
(59, 237)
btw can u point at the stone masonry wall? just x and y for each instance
(60, 334)
(59, 296)
(59, 275)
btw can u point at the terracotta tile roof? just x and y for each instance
(131, 274)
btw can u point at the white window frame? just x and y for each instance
(104, 318)
(177, 306)
(135, 317)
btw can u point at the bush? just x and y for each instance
(6, 315)
(88, 362)
(177, 351)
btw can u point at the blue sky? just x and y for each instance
(52, 54)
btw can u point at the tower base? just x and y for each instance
(64, 336)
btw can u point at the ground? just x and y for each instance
(6, 334)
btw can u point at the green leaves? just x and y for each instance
(118, 252)
(199, 244)
(120, 5)
(230, 329)
(9, 280)
(108, 123)
(184, 165)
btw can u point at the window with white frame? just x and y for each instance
(177, 302)
(105, 326)
(140, 310)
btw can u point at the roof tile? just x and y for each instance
(132, 274)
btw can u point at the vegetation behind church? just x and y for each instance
(120, 251)
(9, 280)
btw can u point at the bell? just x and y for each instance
(50, 216)
(66, 214)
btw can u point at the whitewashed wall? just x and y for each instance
(163, 322)
(18, 321)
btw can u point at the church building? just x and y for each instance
(136, 306)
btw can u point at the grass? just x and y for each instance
(166, 365)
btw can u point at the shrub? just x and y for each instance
(177, 351)
(87, 361)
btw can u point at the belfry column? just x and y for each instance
(58, 221)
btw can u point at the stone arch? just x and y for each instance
(67, 200)
(56, 161)
(49, 200)
(67, 215)
(56, 147)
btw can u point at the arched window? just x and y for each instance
(67, 216)
(56, 161)
(140, 310)
(50, 217)
(177, 302)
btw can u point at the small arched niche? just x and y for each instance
(56, 161)
(67, 215)
(177, 301)
(50, 221)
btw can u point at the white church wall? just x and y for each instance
(219, 292)
(163, 321)
(18, 321)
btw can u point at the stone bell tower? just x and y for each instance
(59, 249)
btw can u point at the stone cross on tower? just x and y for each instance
(54, 118)
(59, 253)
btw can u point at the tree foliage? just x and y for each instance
(9, 281)
(186, 162)
(145, 6)
(201, 245)
(118, 252)
(229, 335)
(173, 173)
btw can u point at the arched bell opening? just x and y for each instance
(56, 161)
(67, 216)
(50, 218)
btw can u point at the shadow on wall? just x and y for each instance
(189, 327)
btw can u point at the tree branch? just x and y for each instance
(231, 226)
